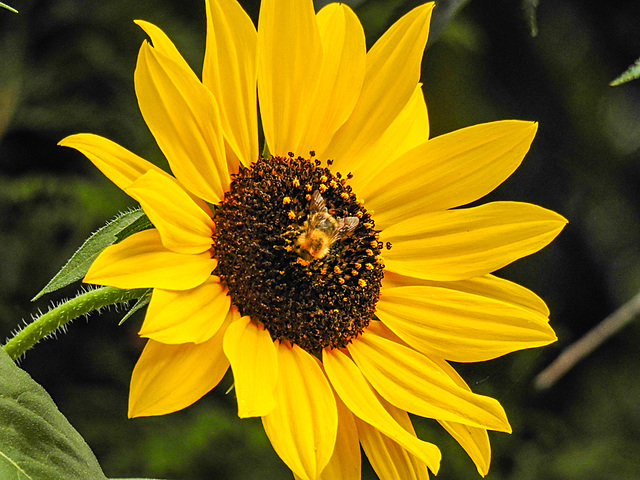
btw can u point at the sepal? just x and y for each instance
(115, 231)
(142, 302)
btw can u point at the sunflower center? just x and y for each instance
(298, 253)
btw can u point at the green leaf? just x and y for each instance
(11, 9)
(143, 301)
(79, 263)
(631, 73)
(36, 440)
(141, 223)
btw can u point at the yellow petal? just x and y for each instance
(183, 226)
(486, 286)
(163, 44)
(392, 73)
(340, 79)
(465, 243)
(229, 71)
(141, 261)
(345, 463)
(389, 460)
(448, 171)
(358, 395)
(289, 57)
(408, 130)
(412, 382)
(475, 441)
(460, 326)
(168, 378)
(303, 426)
(182, 316)
(254, 363)
(117, 163)
(184, 119)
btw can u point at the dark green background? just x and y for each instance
(66, 66)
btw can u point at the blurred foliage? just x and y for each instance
(67, 67)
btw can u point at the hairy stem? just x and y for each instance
(67, 311)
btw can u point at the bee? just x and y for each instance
(321, 231)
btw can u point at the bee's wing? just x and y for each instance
(317, 203)
(347, 225)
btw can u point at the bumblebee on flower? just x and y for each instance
(321, 231)
(276, 267)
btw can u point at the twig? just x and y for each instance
(588, 343)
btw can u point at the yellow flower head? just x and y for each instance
(335, 277)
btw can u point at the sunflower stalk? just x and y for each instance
(59, 316)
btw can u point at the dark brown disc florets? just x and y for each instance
(298, 252)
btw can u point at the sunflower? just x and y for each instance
(334, 274)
